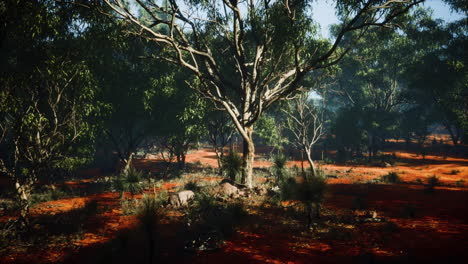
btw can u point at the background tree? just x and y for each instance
(46, 97)
(126, 83)
(370, 81)
(438, 80)
(306, 122)
(220, 132)
(180, 113)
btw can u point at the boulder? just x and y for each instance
(181, 198)
(227, 189)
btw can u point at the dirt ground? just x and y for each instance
(418, 226)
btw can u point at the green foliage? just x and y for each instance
(210, 222)
(309, 192)
(48, 193)
(191, 185)
(129, 182)
(437, 80)
(349, 134)
(279, 166)
(306, 191)
(232, 165)
(270, 132)
(149, 211)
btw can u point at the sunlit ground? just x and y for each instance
(437, 226)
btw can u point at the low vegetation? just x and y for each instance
(391, 177)
(196, 131)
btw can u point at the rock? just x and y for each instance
(371, 217)
(385, 165)
(211, 240)
(181, 198)
(227, 189)
(372, 214)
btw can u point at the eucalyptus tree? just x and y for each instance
(220, 132)
(371, 80)
(306, 122)
(125, 87)
(46, 96)
(179, 113)
(438, 79)
(247, 55)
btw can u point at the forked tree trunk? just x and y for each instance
(311, 162)
(248, 158)
(128, 163)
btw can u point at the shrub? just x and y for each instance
(8, 232)
(47, 193)
(232, 165)
(279, 166)
(454, 172)
(129, 182)
(309, 193)
(129, 206)
(191, 185)
(149, 212)
(391, 177)
(460, 183)
(210, 221)
(432, 182)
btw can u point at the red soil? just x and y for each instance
(438, 229)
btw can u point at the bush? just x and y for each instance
(192, 186)
(129, 182)
(432, 182)
(137, 206)
(149, 212)
(279, 166)
(210, 222)
(391, 177)
(232, 165)
(454, 172)
(129, 206)
(309, 193)
(48, 193)
(8, 232)
(460, 183)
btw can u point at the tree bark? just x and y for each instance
(128, 163)
(24, 193)
(311, 162)
(248, 157)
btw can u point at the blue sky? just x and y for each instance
(324, 13)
